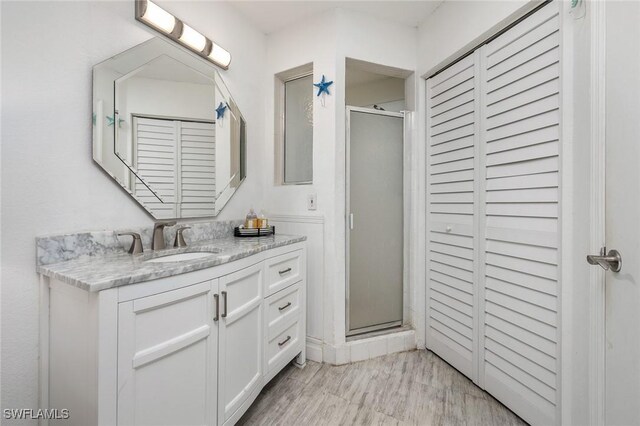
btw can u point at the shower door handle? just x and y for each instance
(351, 221)
(612, 260)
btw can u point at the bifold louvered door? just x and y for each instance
(197, 168)
(155, 149)
(504, 322)
(176, 159)
(521, 137)
(453, 131)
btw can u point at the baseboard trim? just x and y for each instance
(368, 348)
(314, 349)
(296, 218)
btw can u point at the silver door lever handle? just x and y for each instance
(613, 260)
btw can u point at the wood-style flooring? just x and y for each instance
(408, 388)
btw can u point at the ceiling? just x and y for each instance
(270, 16)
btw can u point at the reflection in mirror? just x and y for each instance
(157, 132)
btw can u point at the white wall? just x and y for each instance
(455, 25)
(326, 41)
(48, 50)
(387, 92)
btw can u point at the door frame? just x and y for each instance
(405, 208)
(597, 231)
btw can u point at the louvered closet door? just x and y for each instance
(520, 232)
(493, 150)
(155, 149)
(197, 168)
(452, 133)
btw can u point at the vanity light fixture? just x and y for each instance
(160, 20)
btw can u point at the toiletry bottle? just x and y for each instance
(251, 221)
(263, 222)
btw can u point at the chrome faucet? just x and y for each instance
(136, 244)
(179, 241)
(157, 243)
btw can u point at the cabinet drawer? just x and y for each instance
(284, 345)
(169, 317)
(282, 306)
(282, 271)
(240, 290)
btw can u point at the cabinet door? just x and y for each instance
(167, 358)
(240, 344)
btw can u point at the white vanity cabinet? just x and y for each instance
(191, 349)
(167, 353)
(241, 341)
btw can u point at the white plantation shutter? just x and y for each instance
(521, 137)
(493, 245)
(452, 129)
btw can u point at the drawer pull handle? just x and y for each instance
(224, 300)
(282, 308)
(284, 342)
(217, 300)
(284, 271)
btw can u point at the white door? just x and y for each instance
(493, 202)
(241, 343)
(453, 131)
(167, 358)
(375, 204)
(622, 375)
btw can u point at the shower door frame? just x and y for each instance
(405, 211)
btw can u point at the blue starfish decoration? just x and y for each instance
(222, 108)
(323, 86)
(111, 120)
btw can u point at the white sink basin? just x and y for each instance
(181, 257)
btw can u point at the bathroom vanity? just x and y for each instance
(185, 336)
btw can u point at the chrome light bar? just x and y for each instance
(160, 20)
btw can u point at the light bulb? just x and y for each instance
(159, 18)
(193, 39)
(220, 56)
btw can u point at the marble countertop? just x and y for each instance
(97, 273)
